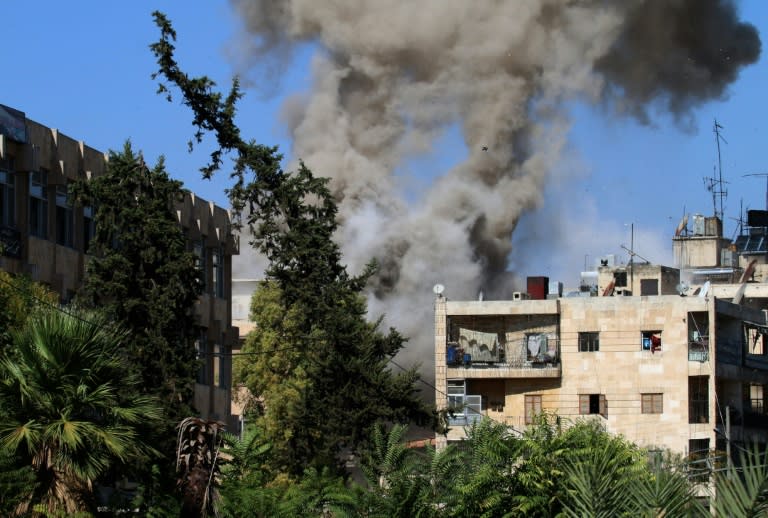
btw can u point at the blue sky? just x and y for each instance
(84, 67)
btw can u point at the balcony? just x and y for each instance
(698, 350)
(522, 359)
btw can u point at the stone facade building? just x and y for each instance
(45, 236)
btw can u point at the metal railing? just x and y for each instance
(698, 350)
(516, 355)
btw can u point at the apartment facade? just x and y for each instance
(45, 236)
(661, 370)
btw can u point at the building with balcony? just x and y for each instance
(45, 236)
(661, 370)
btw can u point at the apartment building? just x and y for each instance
(660, 370)
(43, 235)
(667, 357)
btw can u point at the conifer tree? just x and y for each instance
(142, 276)
(320, 368)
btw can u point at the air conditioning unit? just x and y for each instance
(519, 295)
(622, 292)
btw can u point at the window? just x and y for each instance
(698, 460)
(649, 286)
(89, 227)
(698, 399)
(620, 279)
(64, 217)
(589, 342)
(532, 408)
(593, 404)
(650, 341)
(465, 409)
(218, 273)
(201, 263)
(755, 340)
(754, 395)
(201, 345)
(225, 377)
(7, 194)
(652, 403)
(38, 203)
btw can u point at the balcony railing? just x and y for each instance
(698, 350)
(522, 354)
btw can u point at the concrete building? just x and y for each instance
(659, 370)
(43, 235)
(656, 359)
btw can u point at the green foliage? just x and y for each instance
(17, 482)
(141, 274)
(19, 296)
(319, 369)
(321, 381)
(70, 407)
(743, 493)
(245, 477)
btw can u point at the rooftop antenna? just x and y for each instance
(715, 183)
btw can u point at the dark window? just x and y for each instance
(532, 408)
(754, 397)
(620, 279)
(649, 286)
(38, 203)
(699, 464)
(202, 261)
(218, 273)
(65, 216)
(7, 194)
(204, 359)
(589, 342)
(698, 399)
(89, 227)
(652, 403)
(650, 341)
(593, 404)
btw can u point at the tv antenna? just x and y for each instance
(715, 183)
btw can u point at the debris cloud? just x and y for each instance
(391, 76)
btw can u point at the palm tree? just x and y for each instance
(743, 492)
(70, 406)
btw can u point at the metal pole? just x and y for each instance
(632, 259)
(728, 439)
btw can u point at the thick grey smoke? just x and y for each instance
(391, 75)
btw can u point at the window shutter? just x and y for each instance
(584, 404)
(603, 406)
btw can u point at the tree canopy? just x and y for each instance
(69, 406)
(318, 367)
(141, 274)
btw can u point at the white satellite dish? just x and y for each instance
(438, 289)
(704, 290)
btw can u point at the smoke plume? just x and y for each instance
(390, 76)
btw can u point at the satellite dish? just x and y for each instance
(704, 290)
(438, 289)
(682, 288)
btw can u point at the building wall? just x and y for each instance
(62, 266)
(621, 370)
